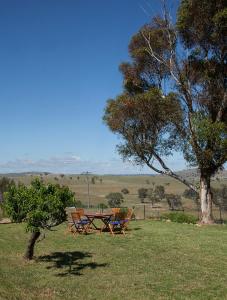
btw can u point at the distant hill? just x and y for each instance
(23, 174)
(188, 173)
(194, 173)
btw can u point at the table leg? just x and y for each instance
(91, 220)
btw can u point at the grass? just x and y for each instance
(156, 260)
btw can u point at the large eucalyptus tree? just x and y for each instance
(175, 94)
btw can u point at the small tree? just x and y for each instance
(115, 199)
(151, 195)
(125, 191)
(160, 191)
(40, 206)
(156, 194)
(192, 195)
(93, 180)
(174, 202)
(142, 193)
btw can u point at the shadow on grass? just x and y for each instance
(69, 262)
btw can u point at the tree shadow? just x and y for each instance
(69, 262)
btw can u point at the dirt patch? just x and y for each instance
(5, 221)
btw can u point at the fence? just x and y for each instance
(147, 211)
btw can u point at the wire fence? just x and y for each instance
(147, 211)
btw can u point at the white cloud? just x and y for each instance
(71, 163)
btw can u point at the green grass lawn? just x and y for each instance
(156, 260)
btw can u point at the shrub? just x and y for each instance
(180, 217)
(114, 199)
(125, 191)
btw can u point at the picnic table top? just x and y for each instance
(98, 215)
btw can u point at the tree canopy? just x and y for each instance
(40, 206)
(115, 199)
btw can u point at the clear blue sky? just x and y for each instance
(58, 65)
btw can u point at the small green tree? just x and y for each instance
(115, 199)
(160, 191)
(40, 206)
(142, 193)
(151, 195)
(156, 194)
(174, 202)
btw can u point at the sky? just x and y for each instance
(58, 66)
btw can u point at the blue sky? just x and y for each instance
(58, 66)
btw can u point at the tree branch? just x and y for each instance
(222, 108)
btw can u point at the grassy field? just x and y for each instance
(156, 260)
(103, 185)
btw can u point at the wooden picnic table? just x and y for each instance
(104, 217)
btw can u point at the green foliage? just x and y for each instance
(190, 194)
(115, 199)
(127, 115)
(142, 194)
(174, 201)
(102, 206)
(160, 191)
(208, 133)
(40, 206)
(180, 217)
(5, 184)
(155, 194)
(202, 23)
(192, 118)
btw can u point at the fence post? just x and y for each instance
(144, 212)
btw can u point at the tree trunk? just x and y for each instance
(31, 243)
(206, 200)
